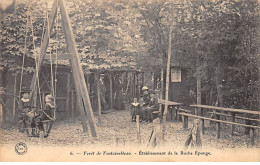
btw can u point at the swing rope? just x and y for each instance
(29, 19)
(56, 55)
(53, 75)
(25, 50)
(48, 31)
(35, 56)
(56, 61)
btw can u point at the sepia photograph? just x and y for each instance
(129, 81)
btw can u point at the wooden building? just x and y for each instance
(66, 98)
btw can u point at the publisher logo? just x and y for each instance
(20, 148)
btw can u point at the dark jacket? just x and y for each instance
(48, 112)
(154, 103)
(146, 99)
(24, 106)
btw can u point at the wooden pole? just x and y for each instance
(139, 87)
(72, 103)
(156, 137)
(154, 81)
(185, 122)
(1, 96)
(82, 114)
(88, 84)
(198, 110)
(134, 83)
(80, 104)
(202, 122)
(68, 95)
(14, 100)
(111, 89)
(252, 137)
(138, 129)
(195, 137)
(162, 88)
(98, 97)
(218, 126)
(232, 126)
(131, 84)
(77, 69)
(1, 114)
(127, 86)
(167, 83)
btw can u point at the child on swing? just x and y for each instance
(24, 107)
(47, 114)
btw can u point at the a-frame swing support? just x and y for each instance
(78, 75)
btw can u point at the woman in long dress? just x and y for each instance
(119, 98)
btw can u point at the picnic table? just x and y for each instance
(174, 108)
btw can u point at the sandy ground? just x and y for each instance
(117, 124)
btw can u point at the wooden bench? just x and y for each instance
(218, 121)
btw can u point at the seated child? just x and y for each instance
(46, 114)
(24, 107)
(135, 109)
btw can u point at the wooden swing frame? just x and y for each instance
(78, 75)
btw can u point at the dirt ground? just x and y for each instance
(117, 124)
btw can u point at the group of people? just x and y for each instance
(145, 107)
(29, 118)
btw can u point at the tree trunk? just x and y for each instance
(138, 85)
(211, 100)
(219, 86)
(14, 98)
(167, 83)
(98, 97)
(1, 96)
(162, 88)
(111, 89)
(194, 139)
(154, 81)
(198, 77)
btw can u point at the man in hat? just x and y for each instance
(144, 102)
(146, 96)
(24, 106)
(152, 106)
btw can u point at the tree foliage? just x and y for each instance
(223, 35)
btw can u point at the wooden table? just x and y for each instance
(171, 104)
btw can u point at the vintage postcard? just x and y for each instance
(129, 81)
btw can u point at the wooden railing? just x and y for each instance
(228, 112)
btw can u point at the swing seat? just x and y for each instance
(46, 121)
(48, 124)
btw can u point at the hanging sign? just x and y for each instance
(175, 75)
